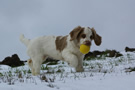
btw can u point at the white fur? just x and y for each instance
(42, 47)
(88, 33)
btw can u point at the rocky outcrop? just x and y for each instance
(113, 53)
(127, 49)
(13, 61)
(107, 53)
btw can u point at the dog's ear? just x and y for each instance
(96, 37)
(75, 32)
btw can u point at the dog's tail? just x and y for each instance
(24, 40)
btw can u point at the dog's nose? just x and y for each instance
(88, 43)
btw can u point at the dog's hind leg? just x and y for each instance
(37, 61)
(35, 64)
(30, 63)
(36, 68)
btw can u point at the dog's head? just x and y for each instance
(85, 35)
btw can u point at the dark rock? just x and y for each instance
(13, 61)
(113, 53)
(96, 53)
(127, 49)
(90, 54)
(107, 53)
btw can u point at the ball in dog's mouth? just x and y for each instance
(84, 49)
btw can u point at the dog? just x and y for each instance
(64, 48)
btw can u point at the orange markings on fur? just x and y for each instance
(30, 61)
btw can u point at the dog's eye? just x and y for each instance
(91, 37)
(83, 35)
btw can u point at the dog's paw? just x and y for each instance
(79, 69)
(35, 74)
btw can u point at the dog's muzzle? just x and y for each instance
(88, 43)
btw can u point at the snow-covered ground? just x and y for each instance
(100, 74)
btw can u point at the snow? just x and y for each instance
(100, 82)
(103, 74)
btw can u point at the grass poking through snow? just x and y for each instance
(50, 73)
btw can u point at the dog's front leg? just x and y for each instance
(71, 59)
(79, 67)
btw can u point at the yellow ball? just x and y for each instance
(84, 49)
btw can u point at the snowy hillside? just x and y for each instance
(100, 74)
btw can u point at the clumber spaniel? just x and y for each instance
(64, 48)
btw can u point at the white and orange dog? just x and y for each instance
(64, 48)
